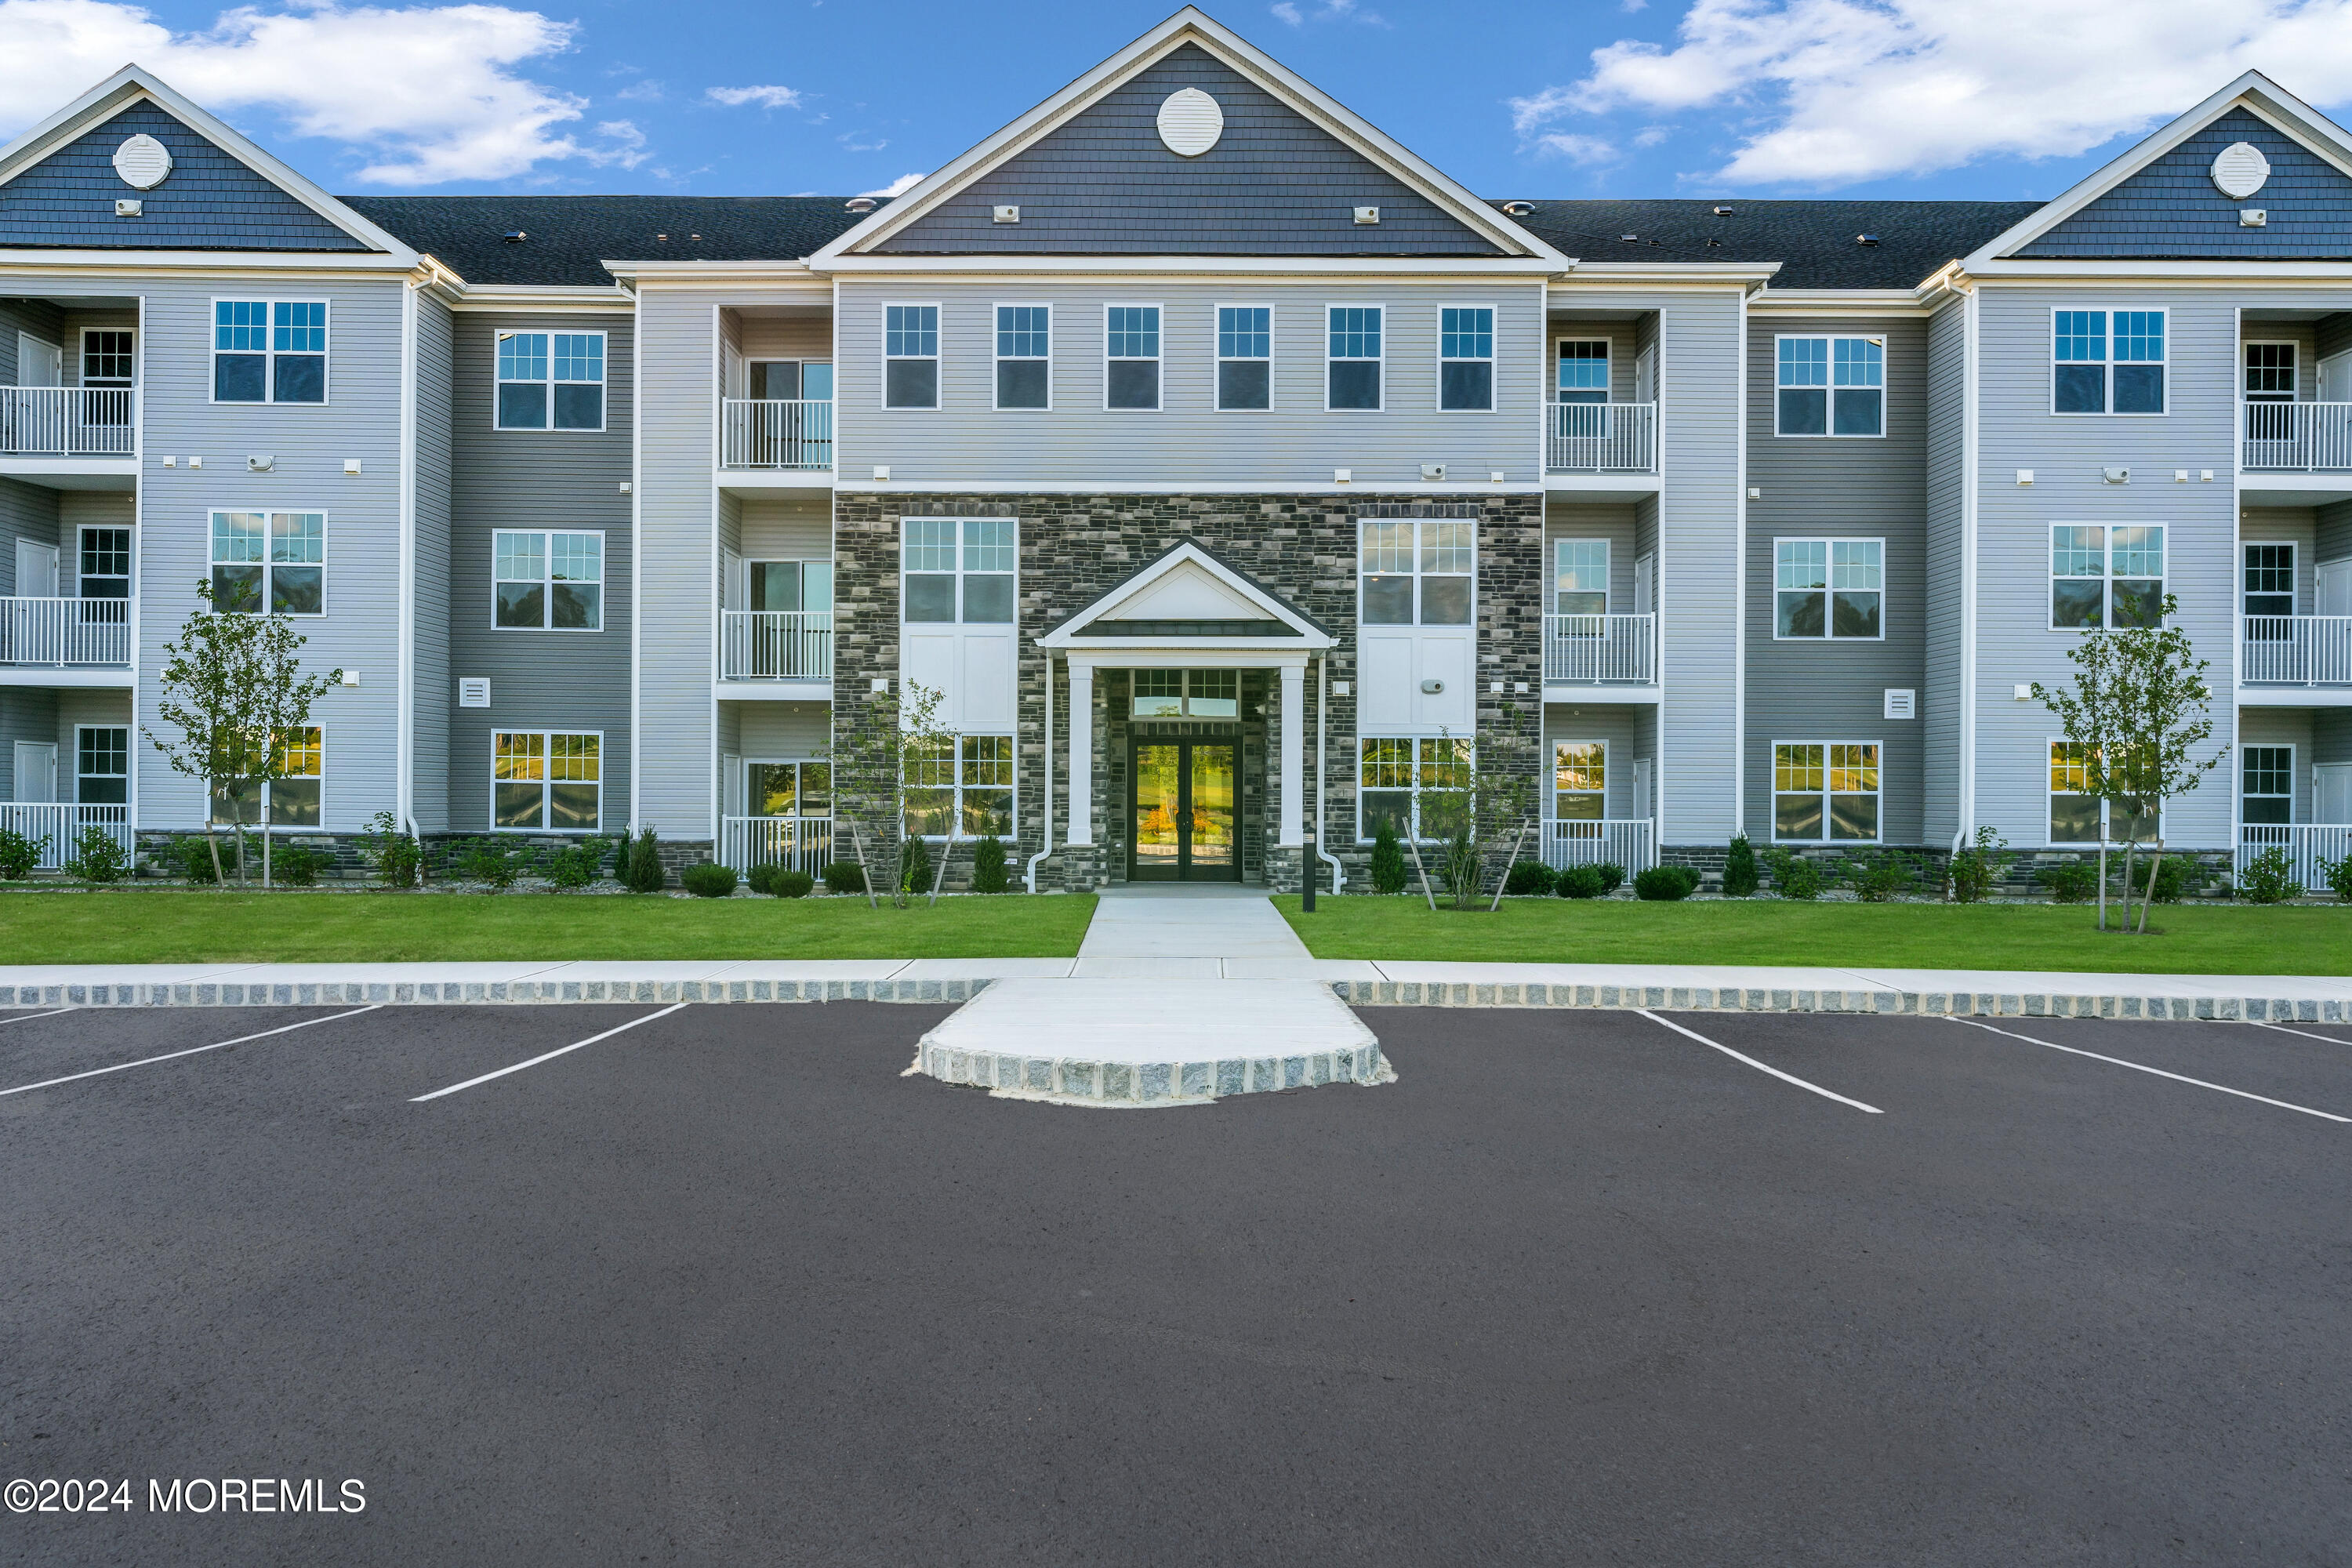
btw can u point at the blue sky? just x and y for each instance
(1997, 99)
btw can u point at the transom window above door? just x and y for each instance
(1186, 694)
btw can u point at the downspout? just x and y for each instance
(404, 789)
(1029, 874)
(1322, 773)
(1965, 828)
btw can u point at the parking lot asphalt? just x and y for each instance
(723, 1287)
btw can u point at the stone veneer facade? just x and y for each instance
(1074, 548)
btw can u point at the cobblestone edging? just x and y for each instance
(1917, 1003)
(1149, 1083)
(328, 994)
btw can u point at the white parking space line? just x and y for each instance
(190, 1051)
(2158, 1072)
(29, 1017)
(2302, 1035)
(549, 1056)
(1760, 1067)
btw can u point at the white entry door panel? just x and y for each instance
(36, 770)
(2334, 791)
(37, 570)
(2335, 587)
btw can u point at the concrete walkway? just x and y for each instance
(1190, 932)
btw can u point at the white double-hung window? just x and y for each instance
(963, 782)
(1025, 356)
(1131, 356)
(547, 781)
(273, 562)
(2107, 362)
(2104, 574)
(553, 580)
(1352, 370)
(1244, 358)
(550, 381)
(292, 799)
(1580, 780)
(1580, 576)
(910, 357)
(270, 351)
(1830, 588)
(1420, 785)
(1465, 359)
(1831, 386)
(959, 570)
(1825, 792)
(1417, 572)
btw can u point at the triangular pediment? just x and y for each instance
(60, 183)
(1189, 597)
(2162, 199)
(1281, 170)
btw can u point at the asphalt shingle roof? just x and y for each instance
(570, 237)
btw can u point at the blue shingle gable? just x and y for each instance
(210, 201)
(1274, 184)
(2172, 210)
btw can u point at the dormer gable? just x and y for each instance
(1188, 595)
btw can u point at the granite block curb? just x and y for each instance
(1073, 1079)
(442, 994)
(1900, 1003)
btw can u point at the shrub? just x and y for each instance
(19, 855)
(489, 861)
(395, 856)
(2076, 882)
(2269, 879)
(845, 877)
(1882, 877)
(1665, 883)
(1978, 869)
(780, 881)
(577, 865)
(1581, 882)
(297, 866)
(707, 880)
(1612, 876)
(641, 867)
(988, 875)
(2339, 877)
(914, 865)
(1388, 858)
(2170, 882)
(193, 857)
(1739, 880)
(97, 858)
(1793, 876)
(1530, 876)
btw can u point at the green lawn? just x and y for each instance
(158, 925)
(2198, 939)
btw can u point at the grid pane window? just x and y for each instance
(963, 782)
(1580, 576)
(1131, 356)
(293, 799)
(547, 580)
(1803, 386)
(1417, 573)
(2268, 778)
(2104, 362)
(266, 351)
(1580, 780)
(297, 351)
(1825, 792)
(546, 781)
(550, 381)
(2270, 580)
(102, 766)
(1417, 784)
(269, 560)
(1583, 372)
(977, 588)
(1186, 693)
(1024, 341)
(1832, 588)
(2077, 814)
(1466, 355)
(107, 359)
(1353, 367)
(910, 348)
(1244, 357)
(2103, 576)
(105, 563)
(2270, 372)
(1831, 386)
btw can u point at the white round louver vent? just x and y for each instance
(2240, 169)
(142, 162)
(1191, 122)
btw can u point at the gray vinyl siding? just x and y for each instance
(1833, 691)
(808, 337)
(783, 731)
(36, 317)
(1563, 518)
(2332, 333)
(308, 444)
(1274, 184)
(1187, 442)
(2284, 525)
(77, 509)
(27, 713)
(779, 529)
(2067, 454)
(2331, 735)
(26, 512)
(435, 696)
(1631, 732)
(1944, 566)
(2332, 531)
(2172, 208)
(1625, 340)
(575, 682)
(2272, 727)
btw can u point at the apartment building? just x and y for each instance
(1230, 475)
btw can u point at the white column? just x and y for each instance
(1294, 750)
(1081, 755)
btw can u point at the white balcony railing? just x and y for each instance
(775, 645)
(801, 843)
(65, 632)
(1628, 841)
(2298, 437)
(2297, 650)
(1603, 438)
(67, 421)
(1601, 650)
(61, 824)
(2307, 844)
(776, 433)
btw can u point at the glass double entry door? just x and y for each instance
(1185, 812)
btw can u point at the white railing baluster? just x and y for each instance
(1601, 437)
(2297, 650)
(1601, 650)
(801, 843)
(775, 433)
(68, 421)
(2310, 846)
(61, 823)
(775, 645)
(1624, 840)
(54, 631)
(2295, 438)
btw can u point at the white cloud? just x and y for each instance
(1590, 150)
(425, 93)
(898, 187)
(1330, 11)
(1843, 90)
(765, 97)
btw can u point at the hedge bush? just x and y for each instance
(1740, 877)
(298, 867)
(577, 865)
(1665, 883)
(1530, 876)
(1612, 876)
(2339, 877)
(845, 877)
(707, 880)
(2076, 882)
(987, 873)
(641, 867)
(97, 858)
(914, 865)
(1581, 882)
(1793, 876)
(19, 855)
(1388, 858)
(2270, 878)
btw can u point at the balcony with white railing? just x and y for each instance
(775, 645)
(1601, 438)
(69, 421)
(2308, 846)
(776, 434)
(2295, 650)
(1601, 650)
(796, 843)
(62, 825)
(64, 633)
(2295, 438)
(1627, 841)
